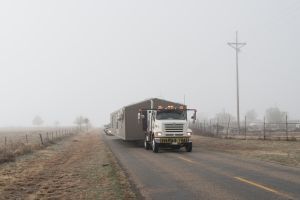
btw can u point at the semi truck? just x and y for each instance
(158, 123)
(166, 127)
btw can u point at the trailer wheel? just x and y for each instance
(155, 146)
(189, 147)
(146, 145)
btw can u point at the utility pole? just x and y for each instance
(237, 47)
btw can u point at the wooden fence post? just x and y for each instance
(217, 127)
(26, 138)
(286, 128)
(264, 128)
(41, 137)
(245, 127)
(201, 128)
(227, 127)
(5, 142)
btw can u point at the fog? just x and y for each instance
(62, 58)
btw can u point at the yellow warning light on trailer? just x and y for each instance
(170, 107)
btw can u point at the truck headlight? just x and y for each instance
(189, 133)
(158, 134)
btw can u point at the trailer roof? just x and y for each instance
(136, 103)
(133, 104)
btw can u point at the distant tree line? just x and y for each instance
(272, 115)
(82, 122)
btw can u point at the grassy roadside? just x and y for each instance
(282, 152)
(105, 177)
(79, 167)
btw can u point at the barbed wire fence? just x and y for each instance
(285, 130)
(16, 143)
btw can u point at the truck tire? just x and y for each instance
(189, 147)
(146, 145)
(155, 146)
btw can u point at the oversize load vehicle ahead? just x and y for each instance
(166, 127)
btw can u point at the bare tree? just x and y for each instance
(56, 123)
(37, 121)
(223, 117)
(274, 114)
(251, 115)
(79, 121)
(87, 123)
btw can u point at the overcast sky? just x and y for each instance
(64, 58)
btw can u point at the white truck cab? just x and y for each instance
(166, 127)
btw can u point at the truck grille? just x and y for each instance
(173, 128)
(176, 134)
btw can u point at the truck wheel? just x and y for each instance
(155, 146)
(189, 147)
(146, 145)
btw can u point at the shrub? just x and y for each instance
(6, 156)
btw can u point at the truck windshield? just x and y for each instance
(172, 114)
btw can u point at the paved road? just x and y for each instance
(203, 174)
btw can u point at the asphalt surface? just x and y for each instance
(202, 174)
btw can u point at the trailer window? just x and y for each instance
(166, 114)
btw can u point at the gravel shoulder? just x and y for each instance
(80, 167)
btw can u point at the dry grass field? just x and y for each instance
(79, 167)
(282, 152)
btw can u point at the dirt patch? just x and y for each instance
(81, 167)
(282, 152)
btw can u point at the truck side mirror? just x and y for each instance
(194, 117)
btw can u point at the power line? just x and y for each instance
(237, 47)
